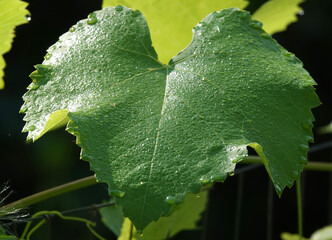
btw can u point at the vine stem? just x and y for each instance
(49, 193)
(299, 208)
(88, 181)
(311, 166)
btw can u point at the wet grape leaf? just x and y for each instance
(155, 132)
(184, 217)
(113, 218)
(276, 15)
(12, 14)
(173, 37)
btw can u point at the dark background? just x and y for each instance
(54, 159)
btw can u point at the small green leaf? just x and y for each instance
(12, 14)
(155, 132)
(112, 217)
(184, 217)
(177, 19)
(276, 15)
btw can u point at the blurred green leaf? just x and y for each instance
(184, 217)
(113, 218)
(12, 14)
(322, 234)
(276, 15)
(171, 22)
(325, 129)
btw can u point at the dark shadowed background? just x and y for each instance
(54, 159)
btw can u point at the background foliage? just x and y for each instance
(54, 159)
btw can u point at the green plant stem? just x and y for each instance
(88, 223)
(299, 208)
(88, 181)
(311, 166)
(52, 192)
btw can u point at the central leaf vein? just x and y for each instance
(155, 147)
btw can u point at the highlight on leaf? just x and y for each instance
(156, 132)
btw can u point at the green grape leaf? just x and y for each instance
(276, 15)
(112, 217)
(12, 14)
(184, 217)
(177, 18)
(155, 132)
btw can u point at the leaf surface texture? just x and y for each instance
(155, 132)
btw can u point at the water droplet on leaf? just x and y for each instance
(92, 19)
(266, 36)
(47, 56)
(304, 147)
(171, 200)
(236, 160)
(309, 139)
(31, 128)
(218, 14)
(23, 110)
(278, 188)
(295, 174)
(244, 15)
(28, 17)
(218, 178)
(303, 160)
(72, 29)
(118, 8)
(204, 180)
(135, 13)
(117, 193)
(35, 87)
(256, 25)
(231, 173)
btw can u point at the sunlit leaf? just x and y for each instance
(276, 15)
(155, 132)
(12, 14)
(171, 22)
